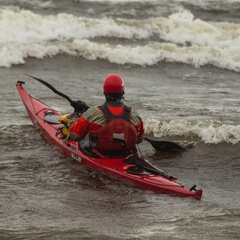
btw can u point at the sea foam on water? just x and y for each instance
(209, 131)
(178, 38)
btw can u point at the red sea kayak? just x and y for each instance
(136, 170)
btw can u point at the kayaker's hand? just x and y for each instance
(79, 106)
(65, 120)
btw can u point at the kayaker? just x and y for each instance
(113, 126)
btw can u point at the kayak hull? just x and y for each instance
(37, 112)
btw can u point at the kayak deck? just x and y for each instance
(118, 166)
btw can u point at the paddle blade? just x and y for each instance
(165, 145)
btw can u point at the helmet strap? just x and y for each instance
(114, 96)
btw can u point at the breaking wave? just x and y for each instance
(178, 38)
(209, 131)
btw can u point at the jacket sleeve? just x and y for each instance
(91, 121)
(79, 129)
(141, 131)
(138, 124)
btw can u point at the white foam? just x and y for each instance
(209, 131)
(150, 1)
(178, 38)
(117, 1)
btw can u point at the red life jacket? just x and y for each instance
(118, 134)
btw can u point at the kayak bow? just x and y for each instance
(133, 169)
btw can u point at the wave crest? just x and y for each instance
(179, 38)
(209, 131)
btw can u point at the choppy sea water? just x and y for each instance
(180, 62)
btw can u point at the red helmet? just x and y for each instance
(113, 83)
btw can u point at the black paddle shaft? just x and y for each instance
(79, 106)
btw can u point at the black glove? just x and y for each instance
(79, 106)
